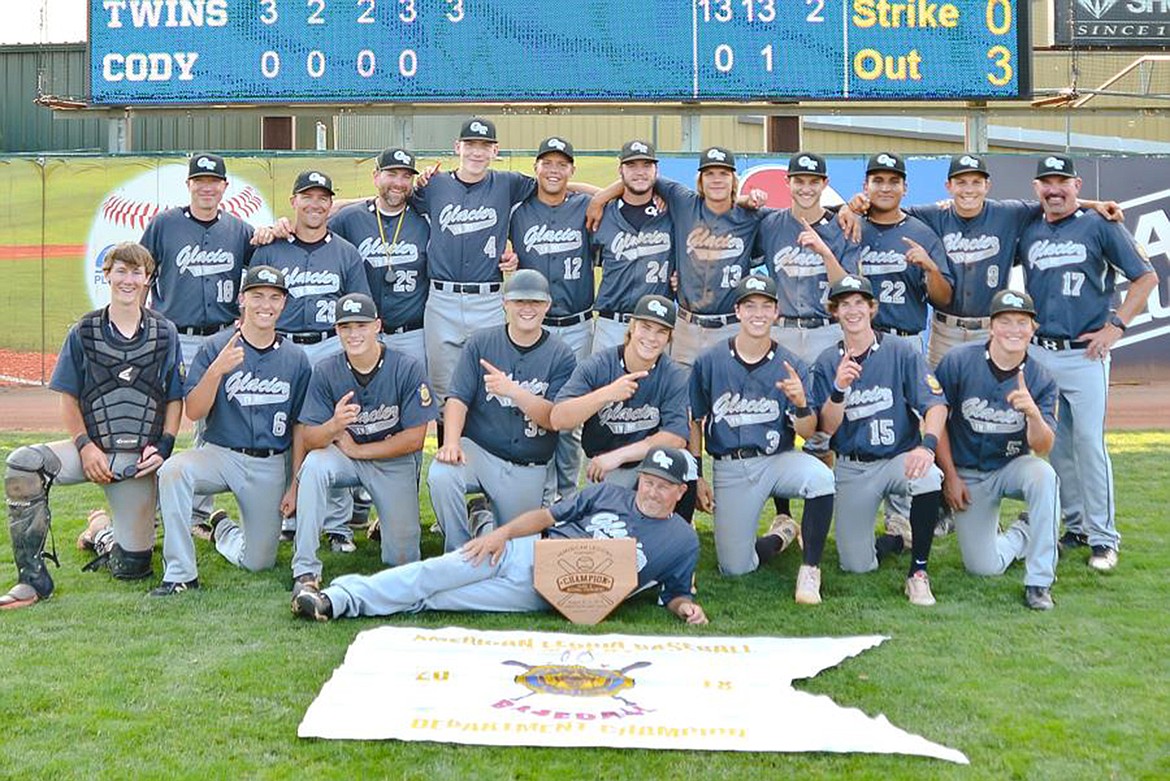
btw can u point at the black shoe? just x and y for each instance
(306, 582)
(1038, 597)
(312, 604)
(169, 588)
(1072, 540)
(205, 530)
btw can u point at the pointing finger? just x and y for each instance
(638, 375)
(345, 399)
(1022, 384)
(791, 372)
(492, 369)
(913, 244)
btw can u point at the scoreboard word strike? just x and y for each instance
(432, 51)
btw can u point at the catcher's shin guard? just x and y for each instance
(30, 473)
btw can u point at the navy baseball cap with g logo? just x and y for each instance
(397, 157)
(851, 283)
(967, 163)
(637, 150)
(206, 164)
(716, 156)
(478, 129)
(555, 144)
(1056, 165)
(656, 309)
(808, 163)
(666, 462)
(356, 308)
(886, 161)
(308, 180)
(264, 276)
(755, 285)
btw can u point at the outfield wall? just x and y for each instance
(59, 213)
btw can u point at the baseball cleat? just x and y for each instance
(808, 585)
(374, 530)
(1071, 539)
(918, 589)
(306, 582)
(205, 530)
(1038, 597)
(20, 595)
(312, 605)
(786, 529)
(98, 519)
(169, 588)
(1103, 559)
(339, 543)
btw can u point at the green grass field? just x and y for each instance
(103, 682)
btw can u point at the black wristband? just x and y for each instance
(837, 396)
(81, 440)
(930, 442)
(802, 412)
(165, 445)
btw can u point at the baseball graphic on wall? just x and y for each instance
(125, 211)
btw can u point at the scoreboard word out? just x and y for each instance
(433, 51)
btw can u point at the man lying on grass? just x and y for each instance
(493, 573)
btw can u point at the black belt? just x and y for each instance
(621, 317)
(309, 337)
(803, 322)
(1049, 343)
(402, 329)
(862, 457)
(707, 321)
(466, 287)
(739, 453)
(966, 323)
(201, 330)
(257, 452)
(897, 331)
(561, 322)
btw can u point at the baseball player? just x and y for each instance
(1071, 258)
(885, 412)
(548, 235)
(392, 240)
(200, 253)
(319, 267)
(248, 385)
(497, 437)
(1002, 410)
(748, 402)
(633, 246)
(805, 250)
(468, 210)
(119, 374)
(365, 419)
(494, 572)
(628, 399)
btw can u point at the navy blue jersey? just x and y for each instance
(668, 548)
(985, 431)
(469, 222)
(711, 251)
(257, 402)
(317, 275)
(659, 404)
(197, 267)
(1070, 270)
(981, 249)
(741, 404)
(884, 405)
(396, 398)
(634, 263)
(395, 257)
(71, 374)
(551, 239)
(802, 281)
(496, 424)
(900, 286)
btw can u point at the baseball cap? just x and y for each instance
(1056, 165)
(714, 156)
(851, 283)
(656, 309)
(264, 276)
(356, 308)
(397, 157)
(755, 285)
(206, 164)
(666, 462)
(555, 144)
(808, 163)
(478, 129)
(527, 284)
(967, 163)
(637, 150)
(308, 180)
(886, 161)
(1012, 301)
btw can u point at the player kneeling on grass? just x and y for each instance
(493, 573)
(365, 419)
(748, 402)
(120, 379)
(1003, 409)
(885, 412)
(247, 385)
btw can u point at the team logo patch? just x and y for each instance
(205, 164)
(715, 154)
(638, 146)
(1054, 163)
(932, 383)
(478, 127)
(351, 306)
(806, 163)
(663, 460)
(575, 680)
(402, 157)
(424, 395)
(853, 283)
(658, 308)
(755, 284)
(1011, 299)
(969, 161)
(556, 143)
(266, 276)
(318, 178)
(885, 159)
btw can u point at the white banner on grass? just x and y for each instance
(548, 689)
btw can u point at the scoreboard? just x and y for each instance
(174, 52)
